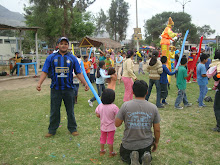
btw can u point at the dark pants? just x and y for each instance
(15, 68)
(151, 83)
(164, 91)
(217, 108)
(57, 96)
(125, 154)
(100, 88)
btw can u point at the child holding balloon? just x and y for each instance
(100, 81)
(107, 112)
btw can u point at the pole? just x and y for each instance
(137, 27)
(183, 8)
(36, 45)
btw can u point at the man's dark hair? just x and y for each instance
(140, 59)
(183, 61)
(108, 96)
(163, 59)
(203, 57)
(140, 88)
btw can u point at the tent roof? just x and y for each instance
(8, 27)
(97, 42)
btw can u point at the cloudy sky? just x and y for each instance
(202, 11)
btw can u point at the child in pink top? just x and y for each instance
(112, 81)
(107, 111)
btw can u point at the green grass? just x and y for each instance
(186, 137)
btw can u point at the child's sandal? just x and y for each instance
(101, 153)
(112, 154)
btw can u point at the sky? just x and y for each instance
(203, 12)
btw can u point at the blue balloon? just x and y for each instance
(90, 85)
(90, 52)
(181, 54)
(119, 61)
(177, 51)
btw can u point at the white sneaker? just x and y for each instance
(90, 103)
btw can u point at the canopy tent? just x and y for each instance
(8, 27)
(147, 47)
(97, 42)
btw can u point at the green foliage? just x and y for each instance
(205, 31)
(82, 25)
(56, 18)
(182, 22)
(101, 20)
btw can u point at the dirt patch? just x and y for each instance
(22, 83)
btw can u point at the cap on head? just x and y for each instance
(193, 48)
(63, 38)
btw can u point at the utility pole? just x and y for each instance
(183, 3)
(137, 27)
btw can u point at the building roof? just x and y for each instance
(206, 41)
(97, 42)
(8, 27)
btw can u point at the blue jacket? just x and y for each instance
(163, 76)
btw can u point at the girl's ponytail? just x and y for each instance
(101, 64)
(153, 60)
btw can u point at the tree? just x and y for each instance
(118, 19)
(101, 20)
(205, 31)
(82, 25)
(182, 22)
(56, 18)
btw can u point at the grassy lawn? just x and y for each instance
(186, 137)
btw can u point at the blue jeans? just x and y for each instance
(151, 83)
(181, 97)
(203, 92)
(76, 89)
(100, 88)
(67, 95)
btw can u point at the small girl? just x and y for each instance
(154, 67)
(107, 112)
(100, 80)
(112, 81)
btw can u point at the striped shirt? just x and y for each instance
(61, 68)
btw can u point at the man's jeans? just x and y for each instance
(68, 97)
(181, 97)
(203, 92)
(151, 83)
(100, 88)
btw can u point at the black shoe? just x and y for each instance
(146, 158)
(134, 158)
(216, 129)
(161, 106)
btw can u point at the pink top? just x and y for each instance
(107, 114)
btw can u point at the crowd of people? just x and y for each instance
(138, 114)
